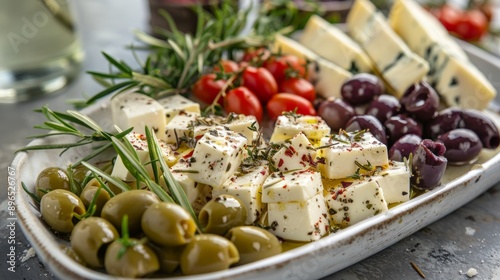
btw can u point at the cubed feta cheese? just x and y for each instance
(298, 154)
(175, 104)
(287, 126)
(395, 182)
(244, 125)
(181, 126)
(293, 186)
(188, 185)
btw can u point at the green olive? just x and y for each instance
(168, 257)
(79, 174)
(136, 261)
(58, 208)
(90, 191)
(168, 224)
(222, 213)
(132, 203)
(208, 253)
(90, 238)
(254, 243)
(51, 178)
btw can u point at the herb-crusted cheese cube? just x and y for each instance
(188, 185)
(130, 109)
(176, 104)
(341, 155)
(217, 156)
(326, 76)
(395, 182)
(296, 154)
(287, 126)
(239, 123)
(299, 221)
(352, 201)
(294, 186)
(319, 36)
(246, 185)
(181, 126)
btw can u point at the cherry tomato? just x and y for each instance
(229, 66)
(449, 17)
(472, 26)
(256, 55)
(285, 102)
(285, 65)
(300, 87)
(207, 88)
(241, 100)
(260, 81)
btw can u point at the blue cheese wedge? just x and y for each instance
(457, 80)
(180, 126)
(319, 36)
(217, 156)
(246, 185)
(395, 182)
(327, 77)
(342, 155)
(287, 126)
(175, 104)
(130, 109)
(351, 201)
(239, 123)
(394, 60)
(292, 186)
(296, 154)
(299, 221)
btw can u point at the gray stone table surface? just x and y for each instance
(467, 238)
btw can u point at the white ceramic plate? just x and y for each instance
(311, 261)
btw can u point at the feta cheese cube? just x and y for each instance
(175, 104)
(299, 221)
(287, 126)
(395, 182)
(295, 186)
(217, 156)
(130, 109)
(298, 154)
(244, 125)
(340, 154)
(188, 185)
(181, 126)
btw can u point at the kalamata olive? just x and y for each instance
(90, 239)
(428, 165)
(132, 203)
(336, 112)
(168, 257)
(90, 191)
(483, 126)
(404, 146)
(208, 253)
(361, 88)
(168, 224)
(367, 122)
(462, 146)
(317, 102)
(136, 261)
(221, 214)
(400, 125)
(383, 107)
(254, 243)
(58, 209)
(51, 178)
(444, 121)
(421, 101)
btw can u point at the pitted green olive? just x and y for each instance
(51, 178)
(90, 239)
(59, 207)
(168, 257)
(90, 191)
(208, 253)
(132, 203)
(168, 224)
(254, 243)
(222, 213)
(136, 261)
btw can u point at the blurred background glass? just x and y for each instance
(40, 51)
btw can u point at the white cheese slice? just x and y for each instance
(326, 76)
(338, 156)
(292, 186)
(217, 156)
(175, 104)
(319, 36)
(244, 125)
(287, 126)
(180, 126)
(130, 109)
(188, 185)
(397, 64)
(395, 182)
(457, 80)
(351, 201)
(247, 187)
(299, 221)
(296, 154)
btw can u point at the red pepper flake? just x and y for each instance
(284, 186)
(289, 152)
(280, 163)
(142, 137)
(189, 154)
(263, 172)
(346, 184)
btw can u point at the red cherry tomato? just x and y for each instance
(256, 55)
(241, 100)
(449, 17)
(472, 26)
(260, 81)
(300, 87)
(207, 88)
(281, 66)
(229, 66)
(285, 102)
